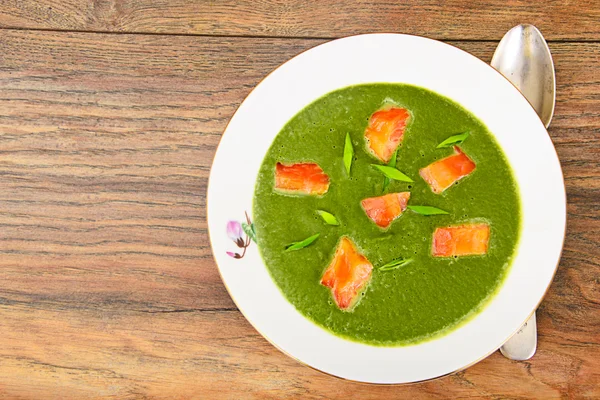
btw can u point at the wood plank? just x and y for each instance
(107, 285)
(200, 354)
(453, 19)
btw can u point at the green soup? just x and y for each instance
(428, 297)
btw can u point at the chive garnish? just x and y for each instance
(392, 163)
(452, 140)
(348, 153)
(392, 173)
(329, 218)
(395, 264)
(302, 244)
(427, 210)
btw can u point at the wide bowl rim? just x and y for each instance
(266, 336)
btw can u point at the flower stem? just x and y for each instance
(248, 239)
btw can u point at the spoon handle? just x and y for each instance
(523, 344)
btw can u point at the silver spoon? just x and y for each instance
(524, 58)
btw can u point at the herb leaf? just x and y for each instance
(392, 173)
(329, 218)
(395, 264)
(302, 244)
(427, 210)
(249, 230)
(348, 153)
(452, 140)
(392, 163)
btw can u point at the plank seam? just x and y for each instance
(207, 35)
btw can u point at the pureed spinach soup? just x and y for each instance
(370, 255)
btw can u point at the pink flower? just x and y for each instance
(242, 235)
(235, 233)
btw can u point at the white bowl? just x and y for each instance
(443, 69)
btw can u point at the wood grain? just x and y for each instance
(211, 355)
(453, 19)
(107, 285)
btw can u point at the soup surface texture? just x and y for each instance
(430, 295)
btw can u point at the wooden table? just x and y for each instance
(110, 113)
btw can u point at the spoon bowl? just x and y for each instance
(524, 58)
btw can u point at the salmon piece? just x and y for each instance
(385, 131)
(443, 173)
(348, 273)
(383, 210)
(464, 240)
(303, 178)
